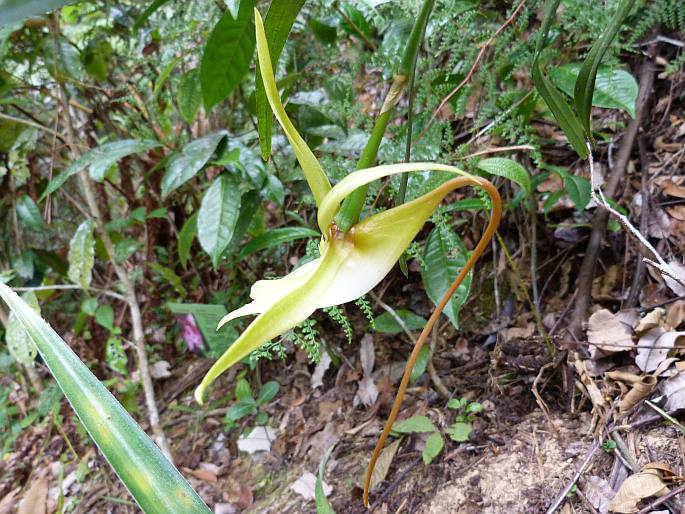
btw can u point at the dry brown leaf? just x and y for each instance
(320, 370)
(636, 488)
(672, 189)
(304, 486)
(675, 314)
(34, 500)
(202, 474)
(9, 501)
(519, 332)
(673, 285)
(367, 393)
(653, 348)
(665, 468)
(677, 212)
(608, 334)
(640, 390)
(383, 463)
(674, 389)
(599, 493)
(651, 320)
(593, 391)
(551, 184)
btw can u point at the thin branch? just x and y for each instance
(53, 287)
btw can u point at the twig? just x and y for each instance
(474, 66)
(30, 124)
(430, 367)
(500, 149)
(70, 286)
(536, 313)
(666, 416)
(601, 216)
(129, 287)
(634, 293)
(394, 315)
(677, 491)
(562, 496)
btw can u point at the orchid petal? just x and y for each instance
(380, 240)
(316, 178)
(265, 293)
(287, 312)
(331, 203)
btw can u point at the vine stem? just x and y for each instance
(490, 230)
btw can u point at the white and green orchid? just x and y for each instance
(351, 263)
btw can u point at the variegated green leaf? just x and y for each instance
(82, 255)
(18, 341)
(152, 480)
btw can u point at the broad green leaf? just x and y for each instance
(414, 425)
(316, 178)
(241, 409)
(149, 10)
(104, 316)
(249, 209)
(325, 30)
(152, 480)
(585, 85)
(189, 95)
(387, 324)
(116, 356)
(268, 392)
(184, 165)
(578, 189)
(279, 20)
(434, 445)
(97, 57)
(12, 11)
(207, 317)
(243, 391)
(227, 55)
(442, 268)
(163, 77)
(508, 169)
(185, 239)
(19, 342)
(99, 160)
(82, 255)
(323, 506)
(614, 88)
(459, 431)
(28, 213)
(218, 215)
(275, 238)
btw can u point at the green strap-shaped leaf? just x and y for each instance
(585, 84)
(12, 11)
(316, 178)
(99, 160)
(185, 239)
(567, 119)
(216, 220)
(279, 20)
(152, 480)
(18, 341)
(508, 169)
(227, 54)
(82, 255)
(276, 237)
(149, 11)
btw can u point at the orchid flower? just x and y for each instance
(351, 263)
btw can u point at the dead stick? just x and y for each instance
(662, 499)
(601, 216)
